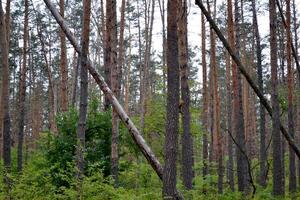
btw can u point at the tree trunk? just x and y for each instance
(205, 100)
(22, 90)
(111, 34)
(262, 120)
(81, 127)
(171, 137)
(127, 82)
(187, 142)
(291, 128)
(230, 166)
(278, 188)
(63, 63)
(5, 97)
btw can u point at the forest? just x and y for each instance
(149, 99)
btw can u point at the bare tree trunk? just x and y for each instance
(292, 167)
(205, 100)
(22, 91)
(164, 53)
(187, 142)
(127, 82)
(75, 80)
(262, 120)
(81, 127)
(5, 99)
(170, 146)
(63, 63)
(111, 33)
(278, 188)
(230, 167)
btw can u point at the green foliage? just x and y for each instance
(60, 150)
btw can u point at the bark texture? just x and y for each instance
(171, 137)
(278, 187)
(187, 142)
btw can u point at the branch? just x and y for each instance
(243, 70)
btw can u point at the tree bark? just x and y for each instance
(111, 34)
(291, 128)
(81, 126)
(205, 100)
(262, 120)
(278, 187)
(230, 167)
(187, 141)
(22, 90)
(171, 137)
(5, 95)
(63, 63)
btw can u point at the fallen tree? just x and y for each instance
(136, 136)
(243, 71)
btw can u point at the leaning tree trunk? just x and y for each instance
(250, 81)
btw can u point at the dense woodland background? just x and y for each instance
(212, 116)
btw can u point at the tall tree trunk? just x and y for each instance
(81, 127)
(111, 33)
(216, 107)
(238, 119)
(127, 82)
(230, 166)
(205, 100)
(5, 98)
(291, 128)
(22, 90)
(278, 187)
(7, 29)
(171, 137)
(63, 63)
(76, 67)
(187, 142)
(52, 112)
(262, 119)
(164, 53)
